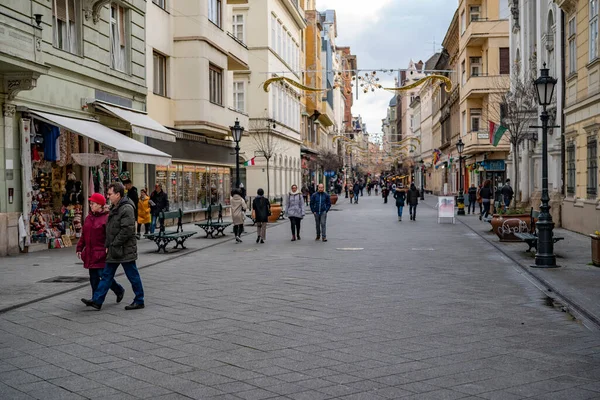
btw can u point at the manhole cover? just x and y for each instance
(66, 279)
(350, 248)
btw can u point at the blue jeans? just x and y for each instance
(507, 201)
(486, 208)
(95, 274)
(356, 195)
(153, 223)
(400, 208)
(108, 276)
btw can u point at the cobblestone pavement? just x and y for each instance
(383, 310)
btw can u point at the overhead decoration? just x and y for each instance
(291, 82)
(421, 81)
(368, 82)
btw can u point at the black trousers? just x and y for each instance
(471, 205)
(238, 229)
(146, 228)
(295, 224)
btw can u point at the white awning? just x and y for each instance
(141, 124)
(128, 149)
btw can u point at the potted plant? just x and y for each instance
(275, 210)
(510, 221)
(596, 248)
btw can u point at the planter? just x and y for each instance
(334, 198)
(275, 212)
(595, 250)
(505, 226)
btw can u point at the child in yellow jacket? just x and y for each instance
(144, 217)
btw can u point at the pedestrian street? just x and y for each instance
(383, 310)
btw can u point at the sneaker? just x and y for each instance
(134, 306)
(120, 296)
(90, 303)
(237, 239)
(298, 237)
(480, 217)
(258, 239)
(399, 218)
(318, 237)
(324, 239)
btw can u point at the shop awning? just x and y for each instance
(128, 149)
(141, 124)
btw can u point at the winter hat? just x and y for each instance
(98, 199)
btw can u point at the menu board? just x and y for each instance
(161, 176)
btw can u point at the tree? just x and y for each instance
(517, 109)
(266, 142)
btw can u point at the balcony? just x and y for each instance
(237, 54)
(295, 12)
(482, 85)
(478, 32)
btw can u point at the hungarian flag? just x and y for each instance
(496, 132)
(250, 162)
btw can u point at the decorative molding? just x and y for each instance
(568, 6)
(9, 110)
(92, 9)
(15, 83)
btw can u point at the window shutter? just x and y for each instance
(71, 10)
(504, 60)
(60, 11)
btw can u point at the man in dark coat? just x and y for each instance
(158, 202)
(412, 198)
(320, 203)
(472, 197)
(262, 209)
(507, 193)
(121, 248)
(132, 194)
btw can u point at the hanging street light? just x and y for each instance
(544, 257)
(460, 146)
(237, 131)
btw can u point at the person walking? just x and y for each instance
(487, 194)
(412, 198)
(400, 197)
(346, 189)
(351, 191)
(132, 194)
(294, 210)
(158, 202)
(479, 199)
(385, 192)
(507, 193)
(121, 249)
(306, 194)
(90, 247)
(238, 213)
(472, 198)
(262, 210)
(357, 191)
(242, 191)
(143, 217)
(320, 203)
(376, 189)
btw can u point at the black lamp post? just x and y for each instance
(422, 179)
(460, 146)
(237, 132)
(545, 258)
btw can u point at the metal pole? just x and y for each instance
(545, 258)
(237, 165)
(422, 182)
(461, 198)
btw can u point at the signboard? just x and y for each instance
(445, 208)
(483, 135)
(494, 165)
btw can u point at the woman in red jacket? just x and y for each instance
(90, 247)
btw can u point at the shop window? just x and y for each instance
(215, 78)
(66, 23)
(160, 74)
(118, 42)
(214, 12)
(571, 169)
(592, 167)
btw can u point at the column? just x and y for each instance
(525, 173)
(10, 160)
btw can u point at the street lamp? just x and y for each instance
(237, 132)
(460, 146)
(422, 179)
(545, 258)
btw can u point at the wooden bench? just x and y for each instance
(163, 238)
(213, 229)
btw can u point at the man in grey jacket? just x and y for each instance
(121, 248)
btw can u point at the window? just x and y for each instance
(161, 3)
(463, 76)
(504, 61)
(474, 13)
(238, 27)
(593, 29)
(475, 119)
(118, 44)
(475, 66)
(273, 32)
(65, 25)
(279, 38)
(214, 12)
(463, 22)
(238, 96)
(571, 169)
(215, 80)
(572, 47)
(592, 167)
(160, 74)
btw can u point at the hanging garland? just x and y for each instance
(442, 78)
(291, 82)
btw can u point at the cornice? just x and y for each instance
(568, 6)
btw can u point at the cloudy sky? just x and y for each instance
(386, 34)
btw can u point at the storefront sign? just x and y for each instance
(494, 165)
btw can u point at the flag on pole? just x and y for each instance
(250, 162)
(496, 132)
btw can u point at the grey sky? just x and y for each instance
(388, 34)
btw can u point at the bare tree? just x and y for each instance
(266, 142)
(517, 109)
(329, 160)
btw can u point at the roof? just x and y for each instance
(430, 64)
(394, 101)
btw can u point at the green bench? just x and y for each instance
(214, 229)
(532, 238)
(163, 238)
